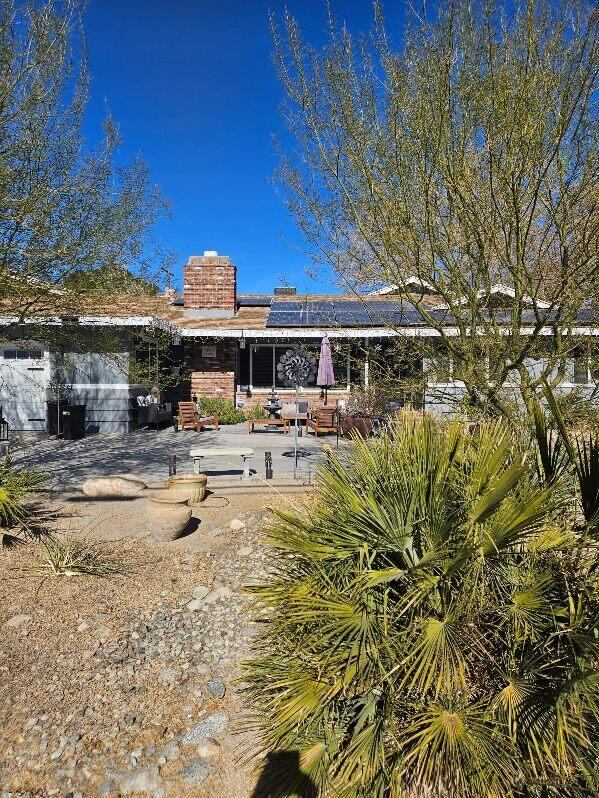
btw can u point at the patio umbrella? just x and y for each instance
(325, 378)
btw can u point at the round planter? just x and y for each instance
(190, 486)
(168, 514)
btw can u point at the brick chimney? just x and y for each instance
(209, 286)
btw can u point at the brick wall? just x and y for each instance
(212, 376)
(210, 285)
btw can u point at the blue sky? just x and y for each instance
(192, 86)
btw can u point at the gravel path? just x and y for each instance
(125, 686)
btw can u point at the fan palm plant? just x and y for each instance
(560, 450)
(15, 486)
(431, 630)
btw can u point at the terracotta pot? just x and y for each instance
(168, 514)
(191, 486)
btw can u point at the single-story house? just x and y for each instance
(230, 345)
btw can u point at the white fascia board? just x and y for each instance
(91, 321)
(279, 332)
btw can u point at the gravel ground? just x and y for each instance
(125, 685)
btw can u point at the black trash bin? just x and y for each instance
(73, 422)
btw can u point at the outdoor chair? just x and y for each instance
(325, 421)
(289, 412)
(189, 418)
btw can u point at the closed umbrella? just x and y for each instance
(326, 377)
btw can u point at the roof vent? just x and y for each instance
(285, 290)
(210, 253)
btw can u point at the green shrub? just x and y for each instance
(429, 626)
(223, 409)
(255, 411)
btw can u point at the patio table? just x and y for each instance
(269, 422)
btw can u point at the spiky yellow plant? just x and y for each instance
(431, 626)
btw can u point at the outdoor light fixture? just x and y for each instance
(172, 465)
(268, 464)
(3, 433)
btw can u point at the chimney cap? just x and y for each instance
(210, 253)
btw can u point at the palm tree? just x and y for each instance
(431, 625)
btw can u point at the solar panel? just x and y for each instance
(379, 306)
(391, 317)
(347, 313)
(356, 318)
(284, 319)
(318, 319)
(279, 307)
(254, 301)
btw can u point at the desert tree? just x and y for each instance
(76, 225)
(464, 156)
(71, 216)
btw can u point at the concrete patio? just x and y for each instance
(147, 454)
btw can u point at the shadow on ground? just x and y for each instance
(281, 777)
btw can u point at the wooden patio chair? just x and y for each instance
(189, 418)
(324, 422)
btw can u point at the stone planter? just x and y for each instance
(167, 514)
(190, 486)
(361, 425)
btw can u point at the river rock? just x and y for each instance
(145, 780)
(196, 771)
(17, 620)
(209, 726)
(216, 686)
(207, 748)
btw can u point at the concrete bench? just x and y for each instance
(198, 454)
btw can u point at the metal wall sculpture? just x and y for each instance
(297, 368)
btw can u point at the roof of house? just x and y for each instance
(270, 315)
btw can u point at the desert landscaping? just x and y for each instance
(125, 684)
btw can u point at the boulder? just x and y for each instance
(117, 485)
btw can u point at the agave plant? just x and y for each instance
(431, 630)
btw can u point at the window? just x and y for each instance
(262, 366)
(440, 371)
(23, 354)
(580, 370)
(259, 367)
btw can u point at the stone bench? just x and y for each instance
(198, 454)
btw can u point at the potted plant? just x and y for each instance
(361, 413)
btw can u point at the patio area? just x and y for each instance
(147, 453)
